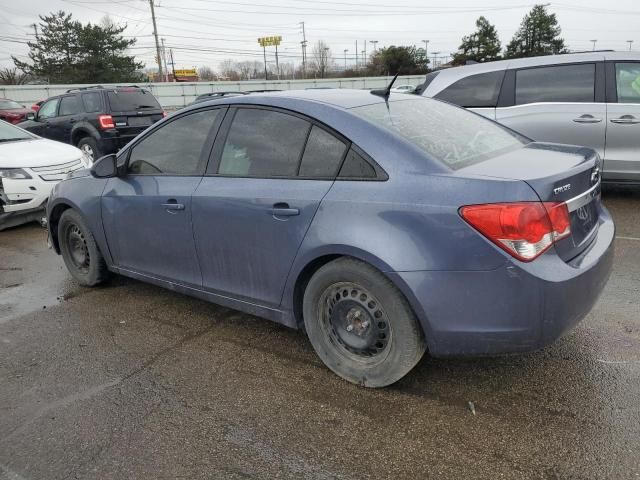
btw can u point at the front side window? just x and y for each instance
(48, 109)
(481, 90)
(628, 82)
(263, 143)
(175, 148)
(70, 105)
(452, 135)
(563, 83)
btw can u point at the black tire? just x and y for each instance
(79, 250)
(89, 146)
(385, 341)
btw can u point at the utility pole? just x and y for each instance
(264, 51)
(277, 65)
(304, 52)
(155, 34)
(435, 54)
(35, 29)
(164, 59)
(375, 43)
(356, 55)
(426, 52)
(364, 58)
(173, 65)
(594, 44)
(629, 42)
(345, 59)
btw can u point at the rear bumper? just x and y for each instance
(517, 307)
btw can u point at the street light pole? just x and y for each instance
(629, 42)
(345, 59)
(375, 45)
(426, 52)
(594, 43)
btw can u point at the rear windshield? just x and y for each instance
(134, 99)
(454, 136)
(9, 104)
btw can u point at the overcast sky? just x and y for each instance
(204, 32)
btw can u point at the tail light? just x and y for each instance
(106, 121)
(164, 114)
(523, 229)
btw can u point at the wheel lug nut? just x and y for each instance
(349, 328)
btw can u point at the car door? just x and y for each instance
(69, 113)
(147, 211)
(268, 174)
(557, 103)
(478, 93)
(48, 111)
(622, 154)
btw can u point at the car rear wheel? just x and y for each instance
(90, 147)
(360, 324)
(79, 250)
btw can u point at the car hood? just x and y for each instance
(38, 152)
(27, 124)
(21, 111)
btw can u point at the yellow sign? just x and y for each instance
(188, 72)
(270, 41)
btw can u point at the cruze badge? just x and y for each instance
(563, 188)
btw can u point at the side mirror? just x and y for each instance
(105, 167)
(31, 116)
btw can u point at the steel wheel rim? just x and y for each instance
(78, 249)
(87, 149)
(355, 323)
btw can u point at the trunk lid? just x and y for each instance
(557, 173)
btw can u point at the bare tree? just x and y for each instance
(287, 70)
(12, 76)
(321, 58)
(228, 70)
(206, 73)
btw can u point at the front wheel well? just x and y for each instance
(54, 219)
(302, 281)
(79, 135)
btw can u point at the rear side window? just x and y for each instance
(562, 83)
(92, 102)
(481, 90)
(322, 155)
(263, 143)
(175, 148)
(70, 105)
(456, 137)
(130, 99)
(628, 82)
(355, 166)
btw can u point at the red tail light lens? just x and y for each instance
(523, 229)
(164, 114)
(106, 121)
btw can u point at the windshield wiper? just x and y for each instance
(13, 139)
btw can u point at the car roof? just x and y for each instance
(337, 97)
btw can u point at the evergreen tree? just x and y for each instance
(481, 46)
(539, 34)
(65, 51)
(402, 60)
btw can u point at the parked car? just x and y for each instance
(404, 89)
(385, 225)
(98, 120)
(590, 99)
(12, 112)
(29, 168)
(36, 106)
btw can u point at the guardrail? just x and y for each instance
(172, 95)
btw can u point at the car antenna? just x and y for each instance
(385, 92)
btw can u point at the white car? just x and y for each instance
(29, 168)
(404, 89)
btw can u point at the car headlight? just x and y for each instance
(14, 173)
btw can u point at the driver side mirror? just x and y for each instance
(105, 167)
(31, 116)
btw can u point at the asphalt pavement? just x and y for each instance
(130, 381)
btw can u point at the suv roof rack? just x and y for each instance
(222, 94)
(79, 89)
(588, 51)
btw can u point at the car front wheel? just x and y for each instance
(90, 147)
(360, 324)
(79, 250)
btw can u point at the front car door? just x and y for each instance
(557, 103)
(48, 111)
(147, 210)
(269, 172)
(622, 155)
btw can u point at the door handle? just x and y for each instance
(626, 120)
(173, 205)
(587, 118)
(283, 210)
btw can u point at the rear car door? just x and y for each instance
(69, 113)
(622, 153)
(478, 93)
(557, 103)
(268, 174)
(147, 211)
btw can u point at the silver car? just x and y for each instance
(590, 99)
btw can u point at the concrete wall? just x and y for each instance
(172, 95)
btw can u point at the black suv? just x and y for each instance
(98, 120)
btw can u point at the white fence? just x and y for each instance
(171, 95)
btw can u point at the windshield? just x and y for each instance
(9, 104)
(8, 132)
(133, 99)
(450, 134)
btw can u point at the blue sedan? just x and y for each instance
(385, 225)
